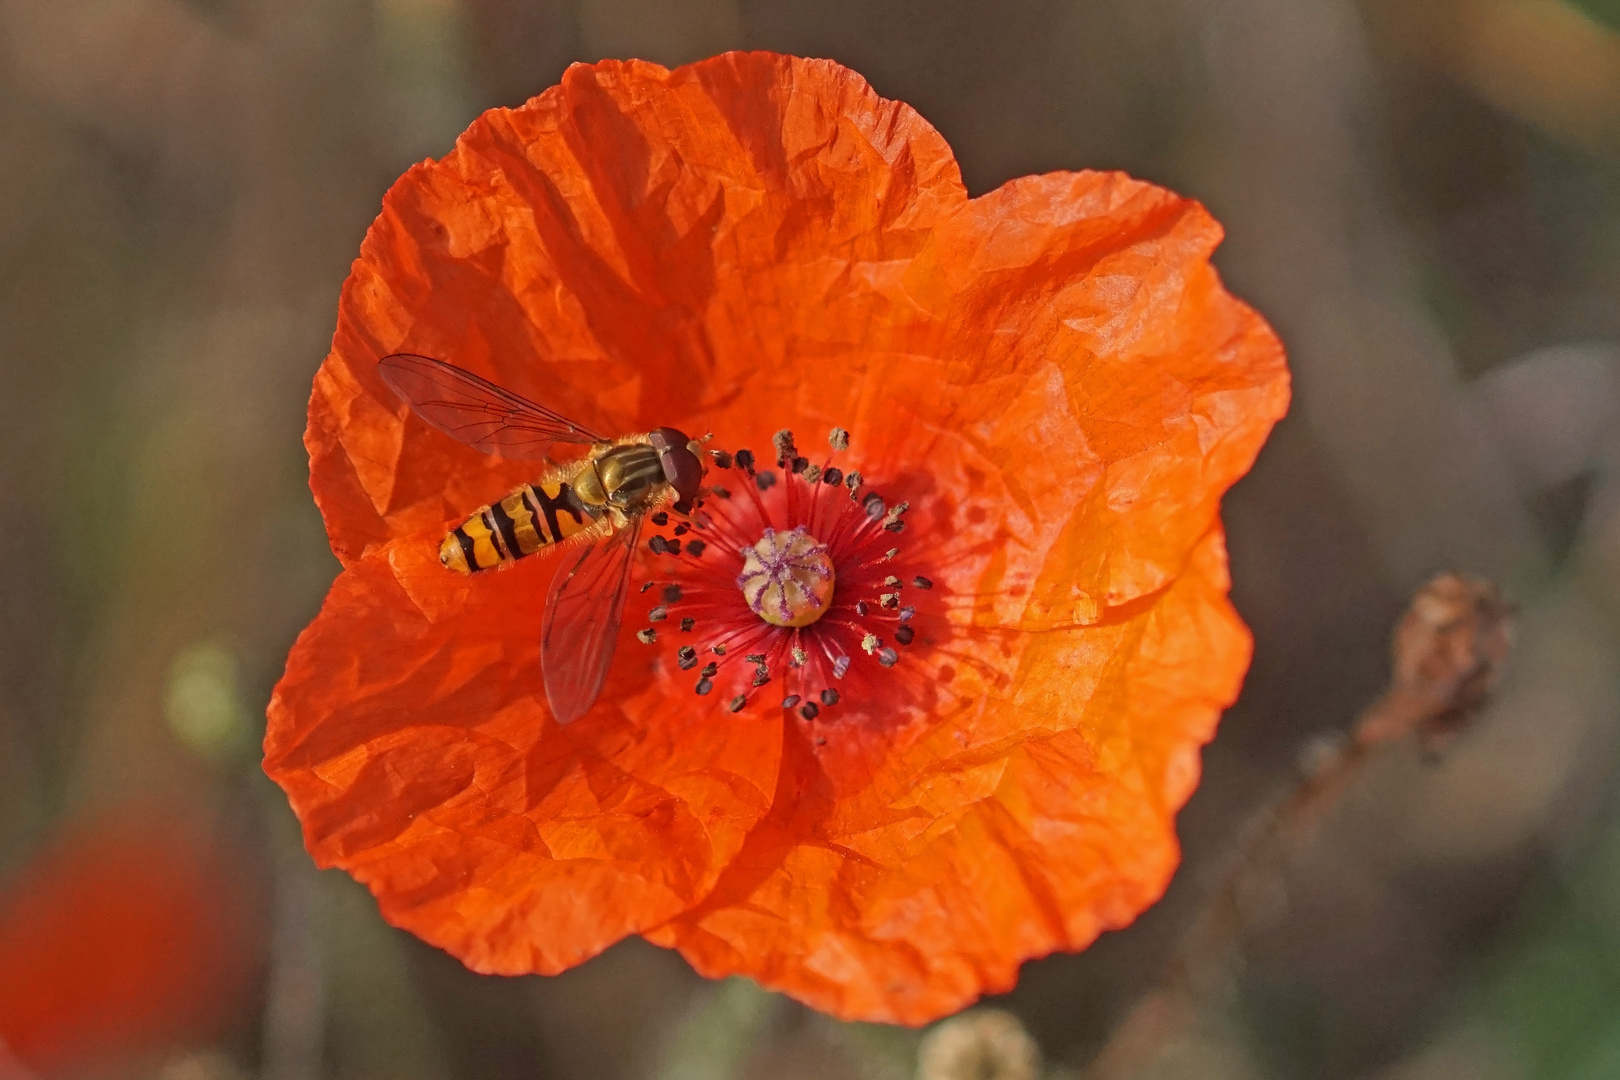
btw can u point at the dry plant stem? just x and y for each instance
(1447, 651)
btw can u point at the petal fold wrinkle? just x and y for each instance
(1051, 376)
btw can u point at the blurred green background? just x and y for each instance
(1422, 195)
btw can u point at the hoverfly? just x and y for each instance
(597, 502)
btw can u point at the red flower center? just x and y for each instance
(790, 579)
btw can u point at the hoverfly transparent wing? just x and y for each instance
(582, 623)
(476, 411)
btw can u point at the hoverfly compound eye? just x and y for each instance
(666, 438)
(684, 471)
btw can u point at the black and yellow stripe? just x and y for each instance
(529, 519)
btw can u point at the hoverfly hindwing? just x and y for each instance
(582, 623)
(476, 411)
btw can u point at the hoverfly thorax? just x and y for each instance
(624, 477)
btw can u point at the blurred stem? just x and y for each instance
(1447, 652)
(294, 1029)
(719, 1034)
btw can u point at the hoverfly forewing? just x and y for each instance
(582, 623)
(476, 411)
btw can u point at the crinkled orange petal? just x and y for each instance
(899, 879)
(411, 733)
(1051, 374)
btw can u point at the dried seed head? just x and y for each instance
(980, 1044)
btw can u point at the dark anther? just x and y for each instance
(682, 529)
(892, 582)
(658, 614)
(889, 600)
(800, 464)
(833, 477)
(737, 703)
(704, 685)
(861, 607)
(761, 677)
(888, 657)
(904, 634)
(687, 624)
(660, 519)
(790, 701)
(812, 474)
(720, 492)
(808, 710)
(766, 480)
(658, 544)
(695, 547)
(719, 650)
(754, 657)
(821, 740)
(647, 636)
(745, 461)
(873, 504)
(645, 585)
(829, 697)
(840, 666)
(906, 613)
(722, 460)
(686, 656)
(783, 442)
(922, 582)
(894, 526)
(891, 553)
(674, 547)
(709, 669)
(672, 593)
(853, 482)
(839, 439)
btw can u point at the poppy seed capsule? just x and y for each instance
(787, 578)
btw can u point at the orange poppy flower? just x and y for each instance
(127, 936)
(1012, 581)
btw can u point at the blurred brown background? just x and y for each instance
(1422, 195)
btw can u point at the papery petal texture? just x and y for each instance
(1051, 375)
(899, 878)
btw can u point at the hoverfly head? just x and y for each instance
(682, 467)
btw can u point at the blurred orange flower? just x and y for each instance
(127, 936)
(1050, 377)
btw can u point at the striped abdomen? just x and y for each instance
(531, 518)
